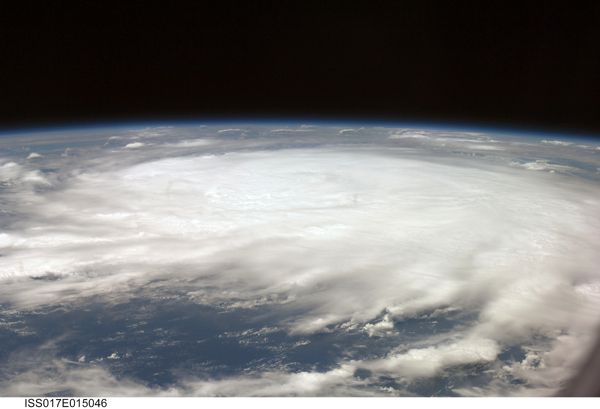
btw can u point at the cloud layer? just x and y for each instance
(341, 236)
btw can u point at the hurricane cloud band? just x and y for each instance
(353, 236)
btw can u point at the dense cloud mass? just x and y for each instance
(337, 230)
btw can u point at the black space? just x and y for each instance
(534, 64)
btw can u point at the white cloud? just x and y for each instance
(542, 164)
(58, 376)
(81, 379)
(556, 142)
(283, 130)
(484, 147)
(230, 130)
(410, 135)
(14, 174)
(190, 143)
(337, 382)
(380, 328)
(152, 132)
(134, 145)
(426, 362)
(34, 155)
(342, 234)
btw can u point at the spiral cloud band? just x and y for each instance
(492, 243)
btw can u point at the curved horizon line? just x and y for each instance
(333, 121)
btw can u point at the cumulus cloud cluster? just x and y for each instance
(350, 236)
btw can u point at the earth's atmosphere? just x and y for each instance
(293, 259)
